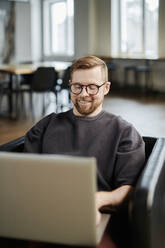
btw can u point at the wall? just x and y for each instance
(28, 31)
(161, 38)
(6, 32)
(81, 27)
(92, 27)
(36, 30)
(103, 27)
(23, 46)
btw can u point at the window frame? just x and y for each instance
(47, 34)
(118, 47)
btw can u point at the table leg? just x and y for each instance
(10, 96)
(14, 96)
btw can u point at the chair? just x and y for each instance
(147, 73)
(142, 223)
(148, 203)
(120, 225)
(44, 80)
(127, 70)
(111, 71)
(16, 145)
(25, 79)
(64, 85)
(137, 71)
(24, 87)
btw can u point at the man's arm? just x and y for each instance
(112, 199)
(34, 137)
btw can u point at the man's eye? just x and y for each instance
(78, 86)
(92, 87)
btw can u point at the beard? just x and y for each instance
(86, 105)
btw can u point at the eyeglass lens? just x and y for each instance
(91, 89)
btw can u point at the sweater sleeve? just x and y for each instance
(34, 137)
(130, 157)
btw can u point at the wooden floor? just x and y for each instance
(146, 113)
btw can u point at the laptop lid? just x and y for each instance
(48, 198)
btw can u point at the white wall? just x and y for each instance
(92, 27)
(81, 27)
(36, 32)
(161, 38)
(23, 50)
(28, 31)
(103, 27)
(4, 11)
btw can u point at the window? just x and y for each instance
(137, 27)
(58, 27)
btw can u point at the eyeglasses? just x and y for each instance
(91, 89)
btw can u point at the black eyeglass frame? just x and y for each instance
(86, 88)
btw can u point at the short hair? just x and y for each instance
(89, 62)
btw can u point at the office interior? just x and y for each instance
(129, 36)
(136, 70)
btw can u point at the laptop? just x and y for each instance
(49, 198)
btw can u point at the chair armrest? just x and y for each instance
(16, 145)
(147, 209)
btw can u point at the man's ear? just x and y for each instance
(107, 88)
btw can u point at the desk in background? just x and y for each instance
(20, 69)
(15, 70)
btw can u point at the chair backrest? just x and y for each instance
(149, 145)
(44, 79)
(65, 79)
(17, 145)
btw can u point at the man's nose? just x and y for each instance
(84, 92)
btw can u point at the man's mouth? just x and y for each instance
(84, 102)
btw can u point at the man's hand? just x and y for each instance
(98, 205)
(112, 199)
(98, 217)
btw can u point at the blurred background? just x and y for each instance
(38, 35)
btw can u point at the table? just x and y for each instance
(20, 69)
(15, 70)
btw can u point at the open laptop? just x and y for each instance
(49, 198)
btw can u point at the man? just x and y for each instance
(87, 130)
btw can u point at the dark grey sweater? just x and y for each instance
(115, 143)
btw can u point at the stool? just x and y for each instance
(137, 70)
(127, 69)
(147, 73)
(111, 68)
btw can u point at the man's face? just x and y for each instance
(84, 103)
